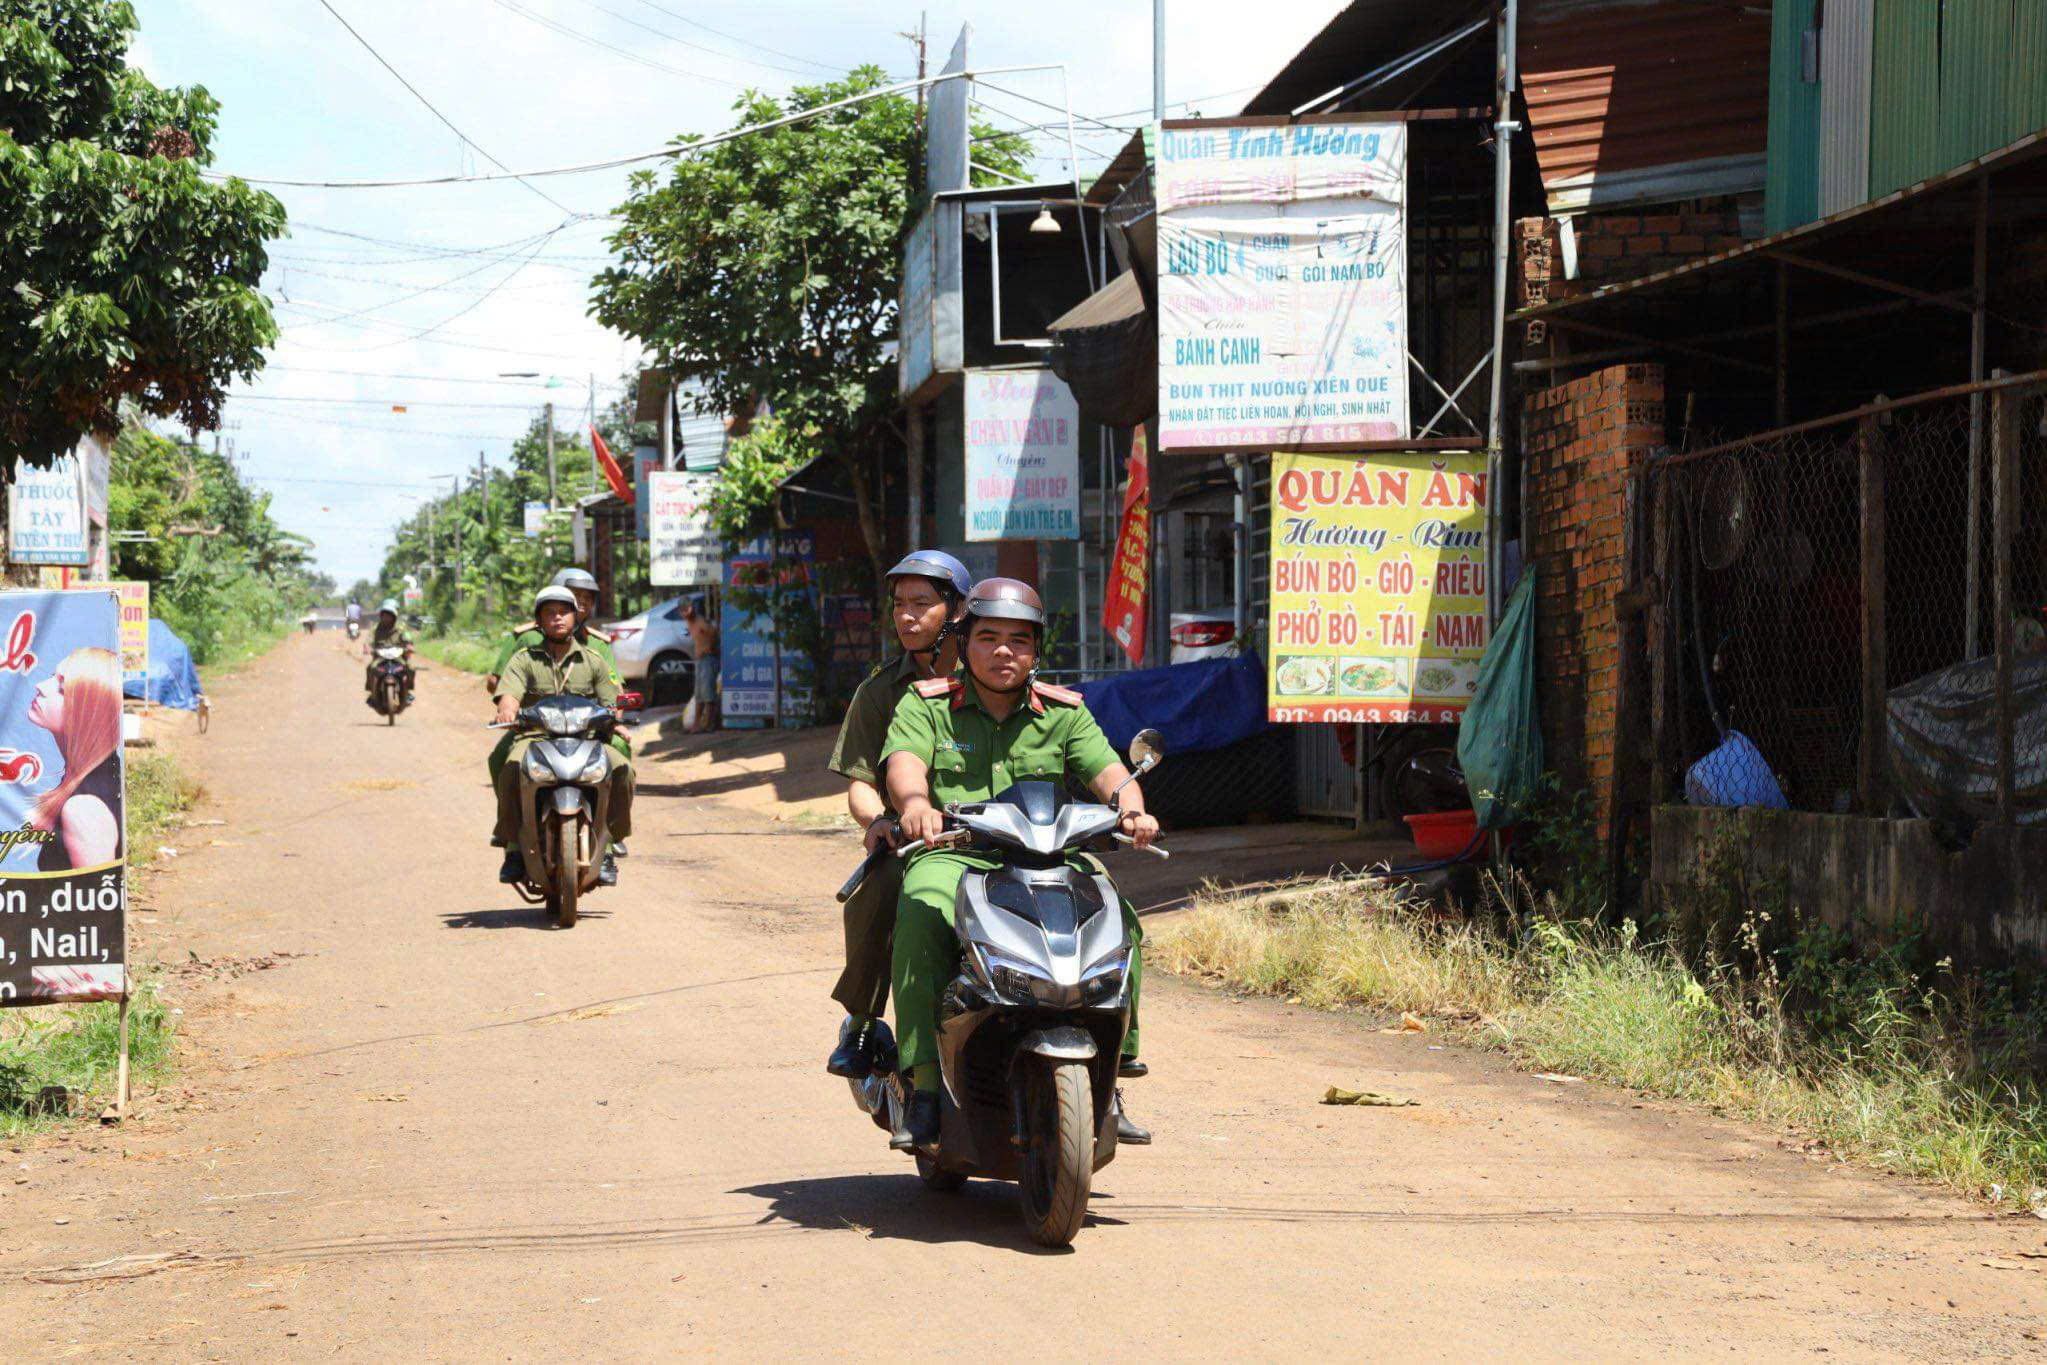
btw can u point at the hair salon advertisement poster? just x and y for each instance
(63, 847)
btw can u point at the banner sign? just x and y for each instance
(683, 547)
(749, 673)
(536, 520)
(1022, 456)
(1282, 293)
(646, 459)
(134, 599)
(1123, 603)
(1378, 587)
(46, 521)
(63, 883)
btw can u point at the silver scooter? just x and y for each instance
(1031, 1030)
(564, 799)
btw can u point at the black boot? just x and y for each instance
(1131, 1069)
(854, 1056)
(513, 870)
(920, 1123)
(1126, 1131)
(607, 871)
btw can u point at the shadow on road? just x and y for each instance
(513, 917)
(898, 1206)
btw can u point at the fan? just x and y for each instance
(1724, 515)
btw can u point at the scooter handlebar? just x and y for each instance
(1123, 838)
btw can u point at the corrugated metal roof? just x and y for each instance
(1366, 34)
(1634, 101)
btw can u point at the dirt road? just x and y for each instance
(432, 1128)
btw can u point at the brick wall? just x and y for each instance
(1615, 246)
(1580, 441)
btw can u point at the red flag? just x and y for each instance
(613, 475)
(1123, 605)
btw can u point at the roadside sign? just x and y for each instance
(134, 599)
(683, 547)
(751, 667)
(1022, 456)
(46, 522)
(536, 520)
(1378, 587)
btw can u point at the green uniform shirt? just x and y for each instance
(533, 673)
(1049, 737)
(393, 634)
(529, 636)
(857, 755)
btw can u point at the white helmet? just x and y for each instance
(389, 604)
(577, 579)
(551, 593)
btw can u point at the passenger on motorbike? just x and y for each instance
(927, 595)
(969, 737)
(387, 633)
(560, 664)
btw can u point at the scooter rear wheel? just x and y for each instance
(1059, 1150)
(567, 875)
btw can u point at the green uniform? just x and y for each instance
(525, 638)
(973, 757)
(870, 914)
(532, 673)
(383, 635)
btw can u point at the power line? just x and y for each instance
(699, 47)
(426, 378)
(627, 53)
(542, 240)
(467, 308)
(430, 106)
(378, 402)
(743, 42)
(287, 270)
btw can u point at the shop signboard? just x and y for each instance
(63, 885)
(646, 459)
(1378, 608)
(750, 675)
(1282, 293)
(46, 521)
(134, 598)
(1022, 456)
(536, 520)
(683, 547)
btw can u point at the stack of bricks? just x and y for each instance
(1581, 441)
(1617, 245)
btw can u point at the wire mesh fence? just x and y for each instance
(1852, 610)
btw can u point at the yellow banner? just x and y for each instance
(1378, 587)
(134, 625)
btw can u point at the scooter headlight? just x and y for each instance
(1012, 979)
(535, 766)
(1104, 980)
(598, 766)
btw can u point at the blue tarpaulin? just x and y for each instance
(172, 681)
(1208, 704)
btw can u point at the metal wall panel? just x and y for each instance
(1903, 94)
(1846, 42)
(1952, 80)
(1792, 195)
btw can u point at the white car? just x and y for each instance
(1202, 635)
(654, 652)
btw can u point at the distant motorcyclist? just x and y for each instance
(969, 737)
(560, 664)
(927, 595)
(387, 634)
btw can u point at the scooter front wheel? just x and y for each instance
(1059, 1150)
(568, 876)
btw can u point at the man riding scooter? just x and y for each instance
(969, 737)
(558, 665)
(927, 593)
(388, 634)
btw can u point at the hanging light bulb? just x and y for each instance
(1045, 224)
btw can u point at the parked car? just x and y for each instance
(654, 653)
(1202, 635)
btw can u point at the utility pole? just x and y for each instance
(1158, 59)
(917, 40)
(550, 456)
(433, 554)
(483, 516)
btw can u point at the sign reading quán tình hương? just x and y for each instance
(1378, 587)
(63, 843)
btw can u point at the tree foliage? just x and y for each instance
(124, 273)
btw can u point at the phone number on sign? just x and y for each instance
(1395, 714)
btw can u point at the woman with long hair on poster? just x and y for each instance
(80, 705)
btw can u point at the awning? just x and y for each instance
(1107, 351)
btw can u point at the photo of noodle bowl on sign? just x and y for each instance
(1378, 587)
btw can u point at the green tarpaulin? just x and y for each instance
(1499, 746)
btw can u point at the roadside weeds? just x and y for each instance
(1929, 1077)
(464, 653)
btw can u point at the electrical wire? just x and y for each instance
(628, 54)
(378, 402)
(608, 387)
(441, 248)
(698, 47)
(542, 240)
(288, 270)
(743, 42)
(466, 309)
(324, 4)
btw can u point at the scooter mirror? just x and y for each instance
(1147, 747)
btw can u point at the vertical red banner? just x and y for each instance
(1123, 605)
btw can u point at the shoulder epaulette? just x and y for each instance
(931, 689)
(1065, 696)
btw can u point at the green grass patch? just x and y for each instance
(1925, 1073)
(77, 1047)
(465, 653)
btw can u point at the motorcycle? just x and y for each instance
(564, 795)
(387, 689)
(354, 629)
(1030, 1033)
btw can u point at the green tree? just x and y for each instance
(124, 273)
(766, 269)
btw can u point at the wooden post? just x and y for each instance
(1972, 609)
(2004, 466)
(1783, 366)
(1656, 483)
(119, 1109)
(1871, 456)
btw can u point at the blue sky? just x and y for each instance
(544, 83)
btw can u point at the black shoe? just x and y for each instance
(513, 870)
(607, 872)
(920, 1123)
(854, 1056)
(1130, 1069)
(1128, 1132)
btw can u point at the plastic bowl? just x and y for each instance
(1444, 834)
